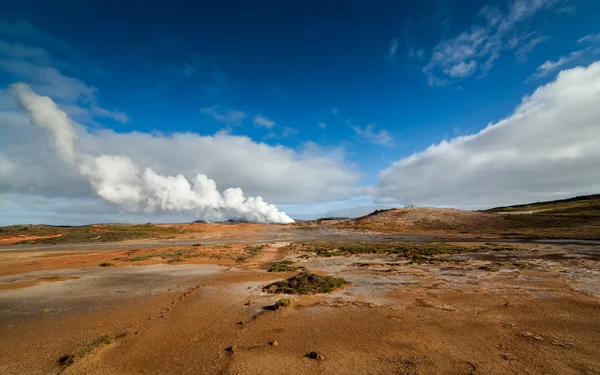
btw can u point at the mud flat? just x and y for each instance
(405, 308)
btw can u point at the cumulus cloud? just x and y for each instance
(548, 148)
(263, 122)
(476, 49)
(368, 133)
(119, 180)
(29, 168)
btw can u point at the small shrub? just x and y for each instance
(283, 303)
(306, 283)
(106, 264)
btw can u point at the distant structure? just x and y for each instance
(409, 206)
(515, 213)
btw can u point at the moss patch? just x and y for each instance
(306, 283)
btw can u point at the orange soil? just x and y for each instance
(443, 318)
(20, 238)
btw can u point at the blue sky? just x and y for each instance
(361, 85)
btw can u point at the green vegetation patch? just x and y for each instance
(282, 266)
(415, 252)
(306, 283)
(283, 303)
(251, 252)
(170, 256)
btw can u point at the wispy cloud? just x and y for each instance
(476, 49)
(462, 69)
(368, 133)
(37, 67)
(527, 48)
(392, 51)
(590, 38)
(228, 117)
(115, 115)
(419, 53)
(288, 132)
(334, 110)
(551, 66)
(263, 122)
(322, 125)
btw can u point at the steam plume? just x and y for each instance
(119, 180)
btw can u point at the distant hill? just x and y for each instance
(581, 204)
(573, 218)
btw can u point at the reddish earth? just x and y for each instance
(9, 240)
(524, 309)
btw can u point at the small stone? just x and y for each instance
(247, 303)
(273, 343)
(314, 355)
(507, 356)
(137, 332)
(230, 349)
(45, 311)
(152, 318)
(240, 323)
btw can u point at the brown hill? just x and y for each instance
(575, 218)
(427, 220)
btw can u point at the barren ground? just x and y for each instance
(410, 308)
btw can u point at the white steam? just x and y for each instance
(119, 180)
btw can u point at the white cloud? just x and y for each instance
(277, 173)
(550, 66)
(322, 125)
(263, 122)
(392, 51)
(590, 38)
(477, 48)
(548, 148)
(381, 137)
(462, 69)
(228, 117)
(334, 110)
